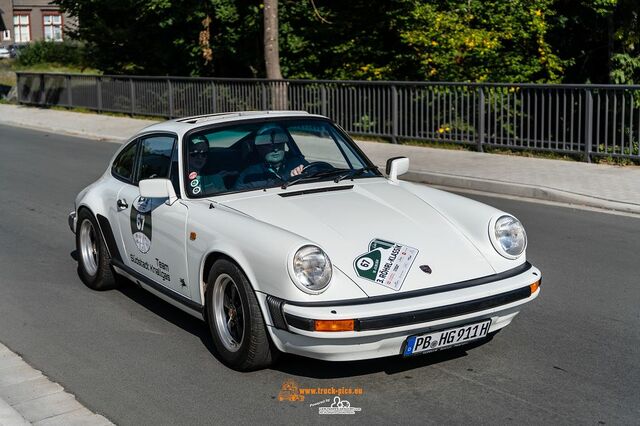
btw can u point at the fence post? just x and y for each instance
(19, 86)
(588, 127)
(213, 97)
(394, 114)
(99, 92)
(265, 101)
(323, 100)
(42, 98)
(69, 94)
(481, 117)
(170, 89)
(133, 97)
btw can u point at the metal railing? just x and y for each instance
(590, 120)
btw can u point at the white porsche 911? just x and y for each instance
(279, 232)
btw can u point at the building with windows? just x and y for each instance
(23, 21)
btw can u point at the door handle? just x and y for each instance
(122, 204)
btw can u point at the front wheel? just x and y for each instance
(94, 265)
(235, 320)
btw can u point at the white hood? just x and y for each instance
(347, 223)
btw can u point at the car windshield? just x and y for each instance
(265, 154)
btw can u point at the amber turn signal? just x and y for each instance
(333, 325)
(535, 286)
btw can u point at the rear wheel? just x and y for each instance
(235, 319)
(94, 265)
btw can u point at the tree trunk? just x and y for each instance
(272, 54)
(271, 48)
(610, 46)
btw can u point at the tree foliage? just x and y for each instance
(476, 40)
(571, 41)
(140, 36)
(595, 37)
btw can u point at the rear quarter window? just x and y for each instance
(155, 156)
(124, 163)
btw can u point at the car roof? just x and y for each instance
(185, 124)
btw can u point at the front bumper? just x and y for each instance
(380, 328)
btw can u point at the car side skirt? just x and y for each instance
(161, 291)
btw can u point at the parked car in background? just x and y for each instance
(5, 53)
(278, 231)
(16, 49)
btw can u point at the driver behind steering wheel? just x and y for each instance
(270, 145)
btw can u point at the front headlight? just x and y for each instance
(312, 269)
(508, 236)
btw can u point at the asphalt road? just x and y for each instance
(571, 357)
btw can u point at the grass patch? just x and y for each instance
(9, 67)
(616, 161)
(54, 67)
(440, 145)
(6, 64)
(7, 76)
(7, 80)
(368, 138)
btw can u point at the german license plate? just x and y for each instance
(442, 339)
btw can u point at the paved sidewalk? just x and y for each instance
(27, 397)
(603, 186)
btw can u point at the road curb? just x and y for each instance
(65, 132)
(28, 397)
(518, 190)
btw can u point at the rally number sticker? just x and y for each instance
(141, 226)
(387, 263)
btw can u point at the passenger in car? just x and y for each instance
(199, 183)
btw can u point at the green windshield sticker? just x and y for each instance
(387, 263)
(374, 244)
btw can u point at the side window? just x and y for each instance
(123, 164)
(155, 157)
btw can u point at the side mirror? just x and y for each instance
(158, 188)
(397, 166)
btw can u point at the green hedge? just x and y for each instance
(47, 52)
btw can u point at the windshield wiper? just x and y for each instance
(354, 173)
(344, 174)
(305, 177)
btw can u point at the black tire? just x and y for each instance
(254, 350)
(94, 270)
